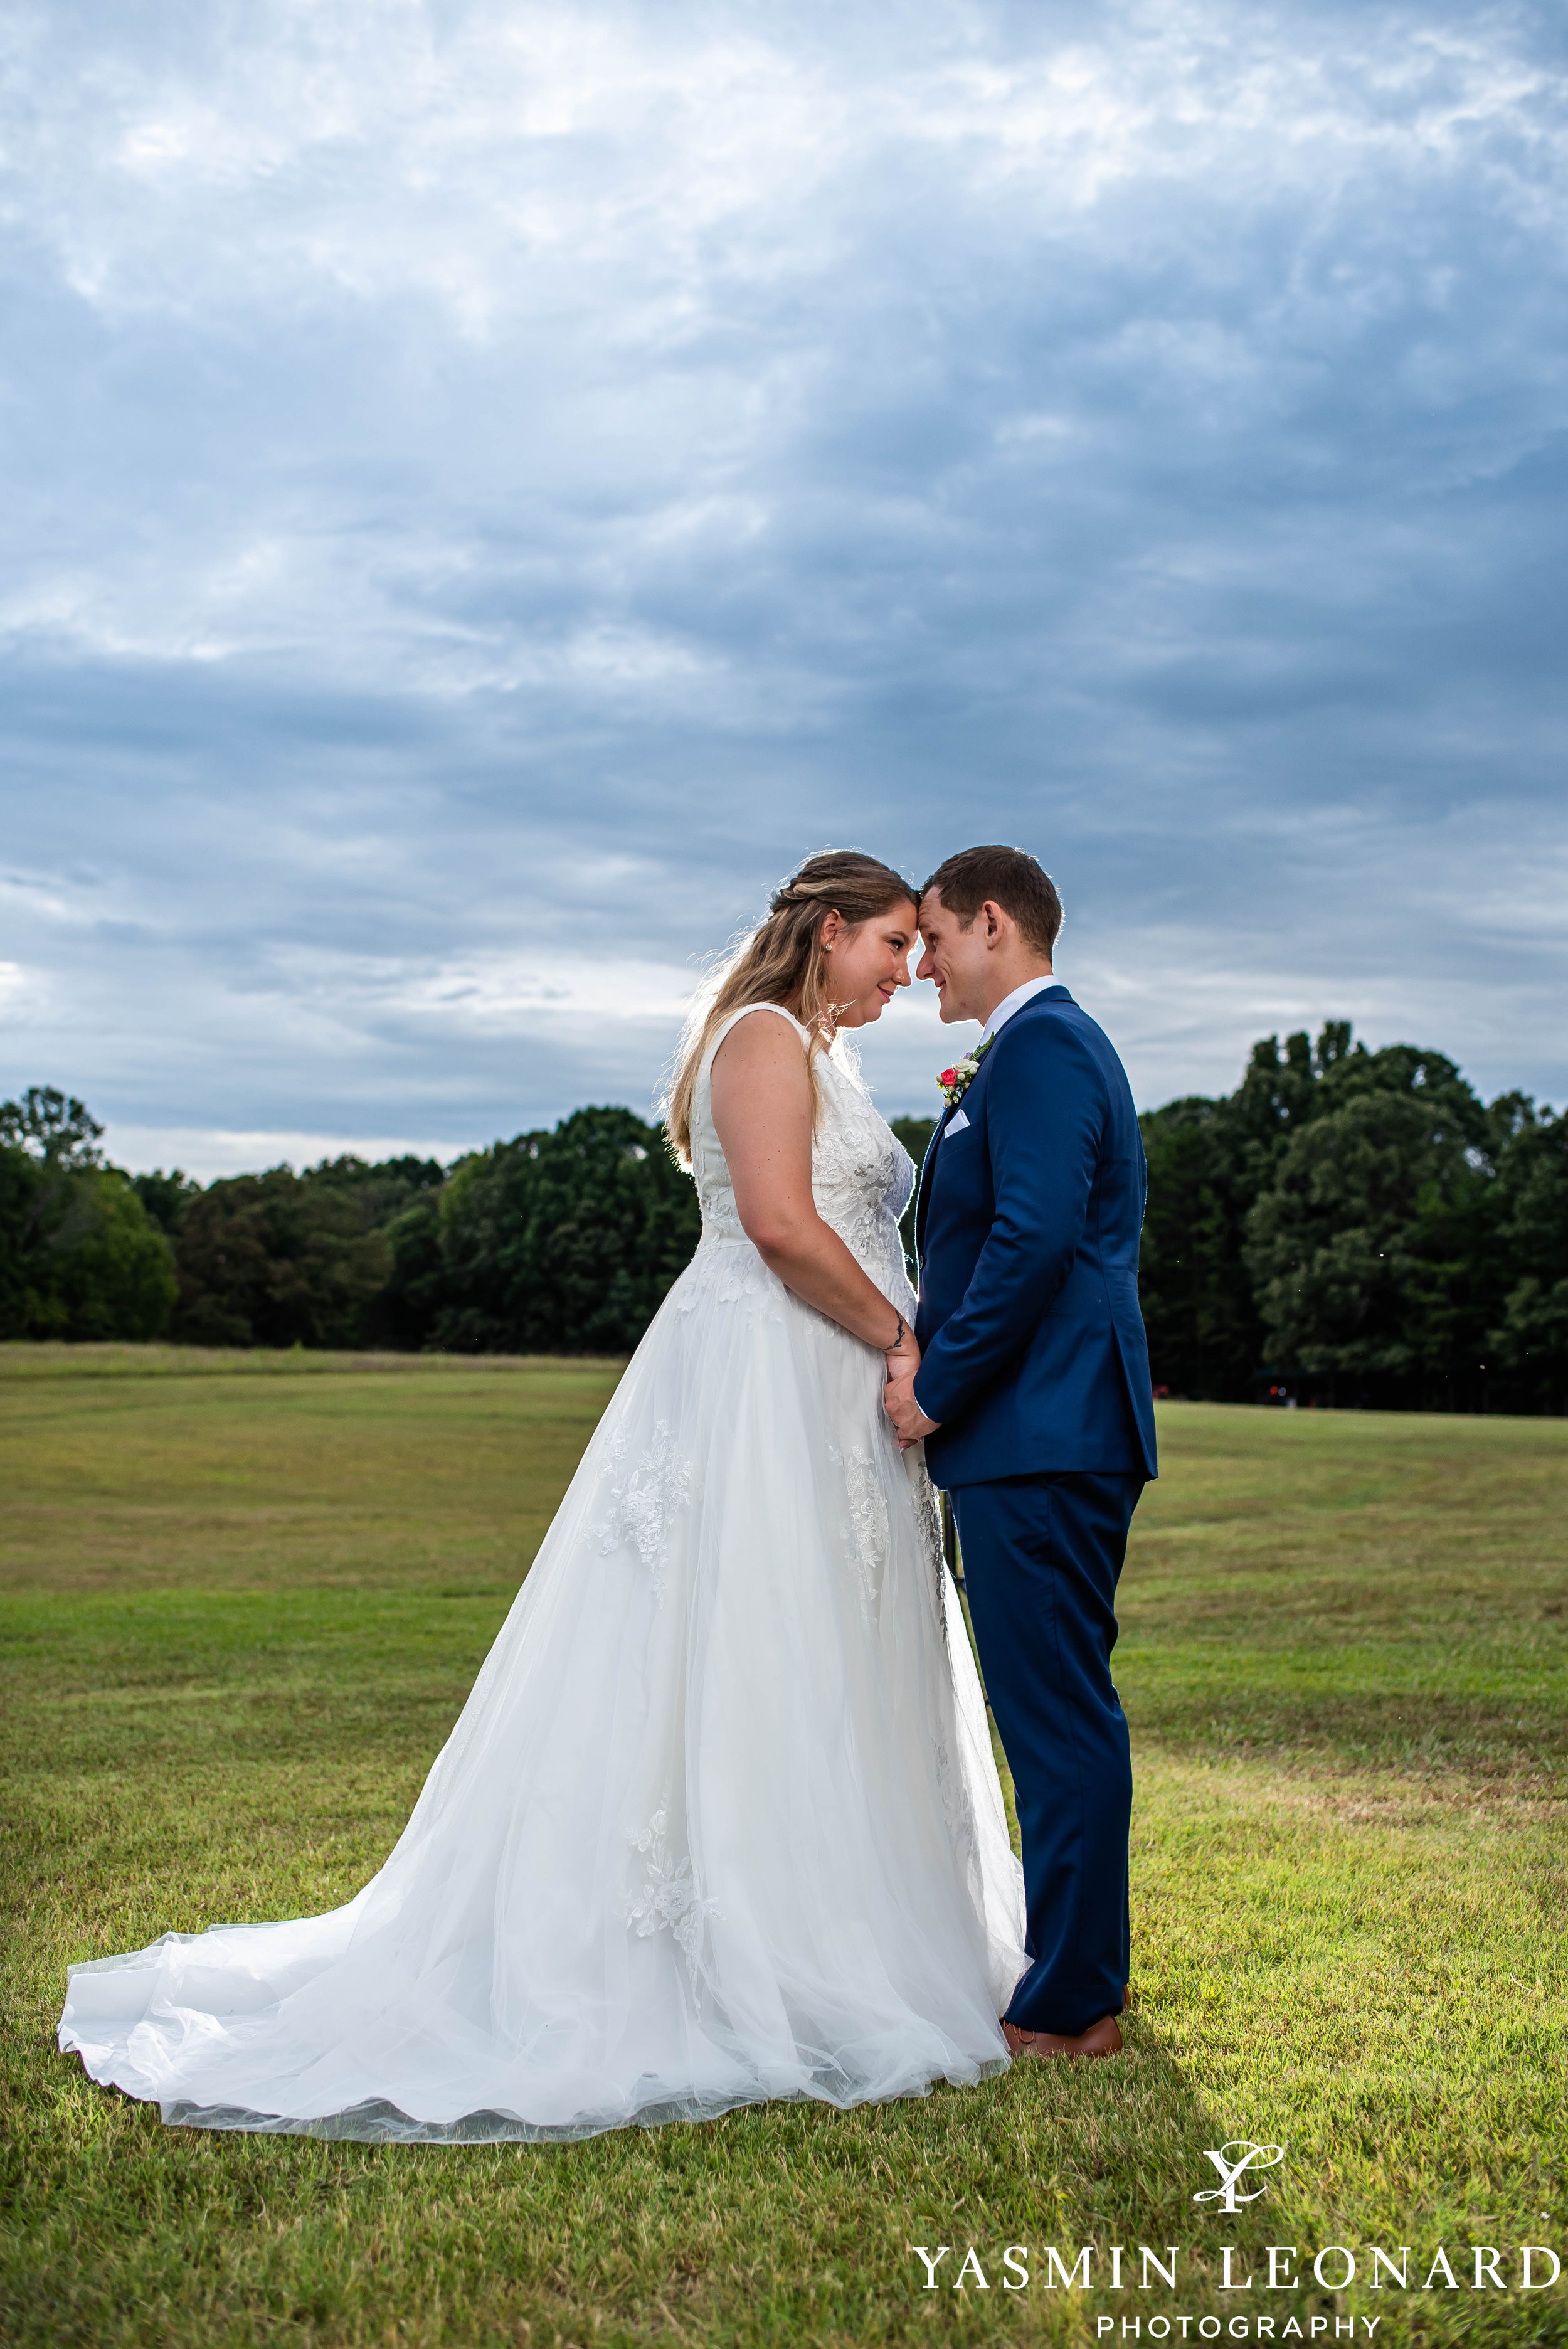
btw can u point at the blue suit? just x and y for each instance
(1034, 1360)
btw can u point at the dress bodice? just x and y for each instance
(862, 1176)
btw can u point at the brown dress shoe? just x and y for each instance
(1101, 2038)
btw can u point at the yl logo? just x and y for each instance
(1233, 2161)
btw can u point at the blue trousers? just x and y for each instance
(1041, 1558)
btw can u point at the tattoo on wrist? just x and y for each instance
(897, 1346)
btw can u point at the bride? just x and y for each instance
(719, 1821)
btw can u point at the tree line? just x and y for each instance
(556, 1242)
(1360, 1228)
(1347, 1227)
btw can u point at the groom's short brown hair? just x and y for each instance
(1009, 877)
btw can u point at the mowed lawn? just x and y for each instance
(243, 1599)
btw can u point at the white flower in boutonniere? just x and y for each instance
(957, 1080)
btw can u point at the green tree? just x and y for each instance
(405, 1313)
(1349, 1219)
(278, 1259)
(78, 1257)
(562, 1242)
(165, 1197)
(1204, 1335)
(21, 1179)
(399, 1197)
(53, 1127)
(1527, 1343)
(1209, 1162)
(104, 1270)
(1368, 1244)
(382, 1189)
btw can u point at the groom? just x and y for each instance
(1033, 1396)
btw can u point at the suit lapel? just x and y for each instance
(1056, 993)
(922, 1190)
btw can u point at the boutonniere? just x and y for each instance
(957, 1080)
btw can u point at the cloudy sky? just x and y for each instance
(487, 487)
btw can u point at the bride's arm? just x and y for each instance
(762, 1102)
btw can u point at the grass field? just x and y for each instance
(242, 1601)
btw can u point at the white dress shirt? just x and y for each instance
(1016, 1002)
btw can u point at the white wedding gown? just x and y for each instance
(719, 1821)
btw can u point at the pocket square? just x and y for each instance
(959, 1125)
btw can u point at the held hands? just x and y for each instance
(902, 1361)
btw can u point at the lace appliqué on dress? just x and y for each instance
(862, 1176)
(928, 1516)
(865, 1530)
(730, 1274)
(666, 1898)
(957, 1809)
(643, 1500)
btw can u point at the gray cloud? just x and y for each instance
(490, 487)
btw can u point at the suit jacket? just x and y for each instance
(1033, 1352)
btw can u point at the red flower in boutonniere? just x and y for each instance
(957, 1080)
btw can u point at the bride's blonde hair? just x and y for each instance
(781, 961)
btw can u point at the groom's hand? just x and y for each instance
(910, 1422)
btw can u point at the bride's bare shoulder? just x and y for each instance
(760, 1060)
(748, 1039)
